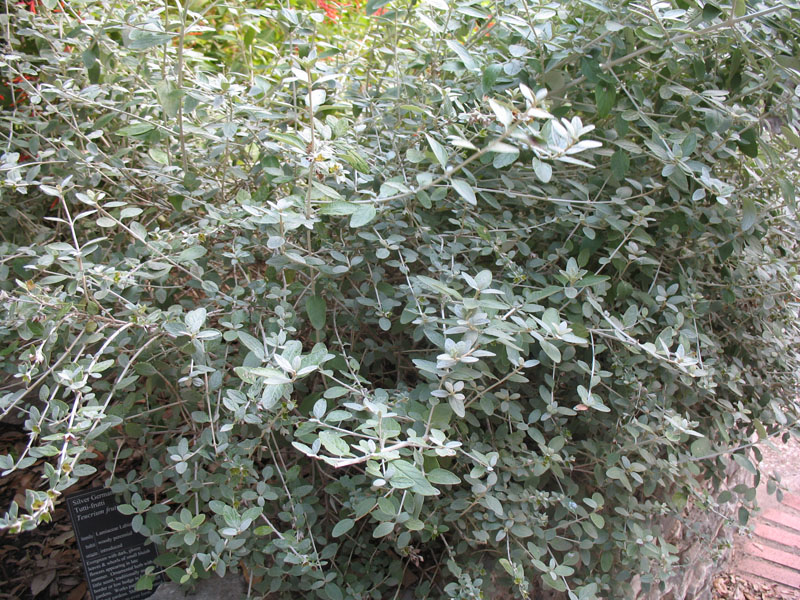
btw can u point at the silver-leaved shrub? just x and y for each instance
(430, 296)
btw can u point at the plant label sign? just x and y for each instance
(114, 555)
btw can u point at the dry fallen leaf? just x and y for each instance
(41, 580)
(78, 592)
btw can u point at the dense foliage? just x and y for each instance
(418, 295)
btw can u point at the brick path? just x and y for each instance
(773, 553)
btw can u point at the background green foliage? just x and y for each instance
(451, 295)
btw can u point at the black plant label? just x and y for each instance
(114, 556)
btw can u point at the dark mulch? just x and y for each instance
(43, 564)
